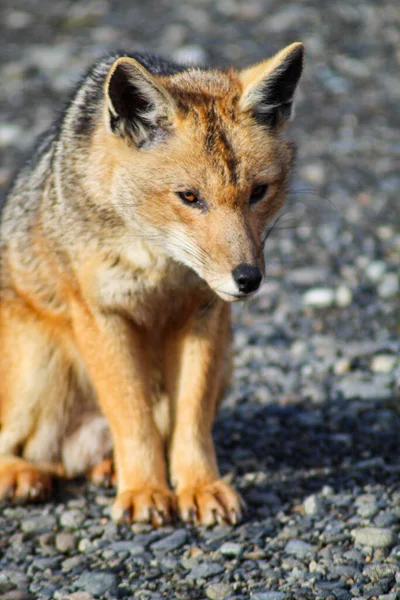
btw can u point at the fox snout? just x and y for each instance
(247, 278)
(243, 281)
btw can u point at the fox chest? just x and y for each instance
(149, 296)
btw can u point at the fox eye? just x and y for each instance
(189, 198)
(258, 192)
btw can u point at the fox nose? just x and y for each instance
(247, 277)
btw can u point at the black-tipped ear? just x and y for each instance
(269, 87)
(138, 107)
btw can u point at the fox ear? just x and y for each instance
(138, 107)
(268, 88)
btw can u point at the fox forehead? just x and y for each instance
(223, 139)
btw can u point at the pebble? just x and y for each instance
(205, 570)
(218, 591)
(383, 363)
(344, 296)
(97, 583)
(313, 505)
(375, 270)
(17, 595)
(386, 519)
(171, 542)
(298, 548)
(368, 509)
(231, 549)
(79, 596)
(65, 542)
(342, 366)
(69, 564)
(72, 519)
(377, 537)
(319, 297)
(9, 133)
(308, 276)
(365, 390)
(389, 286)
(268, 596)
(39, 524)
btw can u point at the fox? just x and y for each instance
(124, 240)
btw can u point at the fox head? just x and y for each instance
(196, 163)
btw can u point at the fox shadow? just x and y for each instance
(293, 451)
(288, 452)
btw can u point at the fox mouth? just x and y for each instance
(228, 297)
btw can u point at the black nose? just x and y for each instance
(247, 277)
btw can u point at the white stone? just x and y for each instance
(375, 270)
(342, 366)
(374, 536)
(313, 505)
(344, 297)
(314, 173)
(383, 363)
(9, 132)
(389, 286)
(319, 297)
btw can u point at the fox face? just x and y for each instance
(196, 164)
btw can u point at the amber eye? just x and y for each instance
(189, 197)
(258, 192)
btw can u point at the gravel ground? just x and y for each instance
(309, 432)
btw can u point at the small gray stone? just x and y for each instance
(308, 276)
(377, 571)
(377, 537)
(364, 390)
(389, 286)
(231, 549)
(65, 542)
(79, 596)
(17, 595)
(218, 591)
(375, 270)
(72, 519)
(39, 524)
(268, 596)
(313, 505)
(368, 509)
(386, 519)
(97, 583)
(171, 542)
(128, 546)
(69, 564)
(205, 570)
(298, 548)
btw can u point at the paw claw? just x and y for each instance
(210, 504)
(145, 506)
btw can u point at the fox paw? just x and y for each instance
(148, 505)
(210, 504)
(103, 474)
(22, 482)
